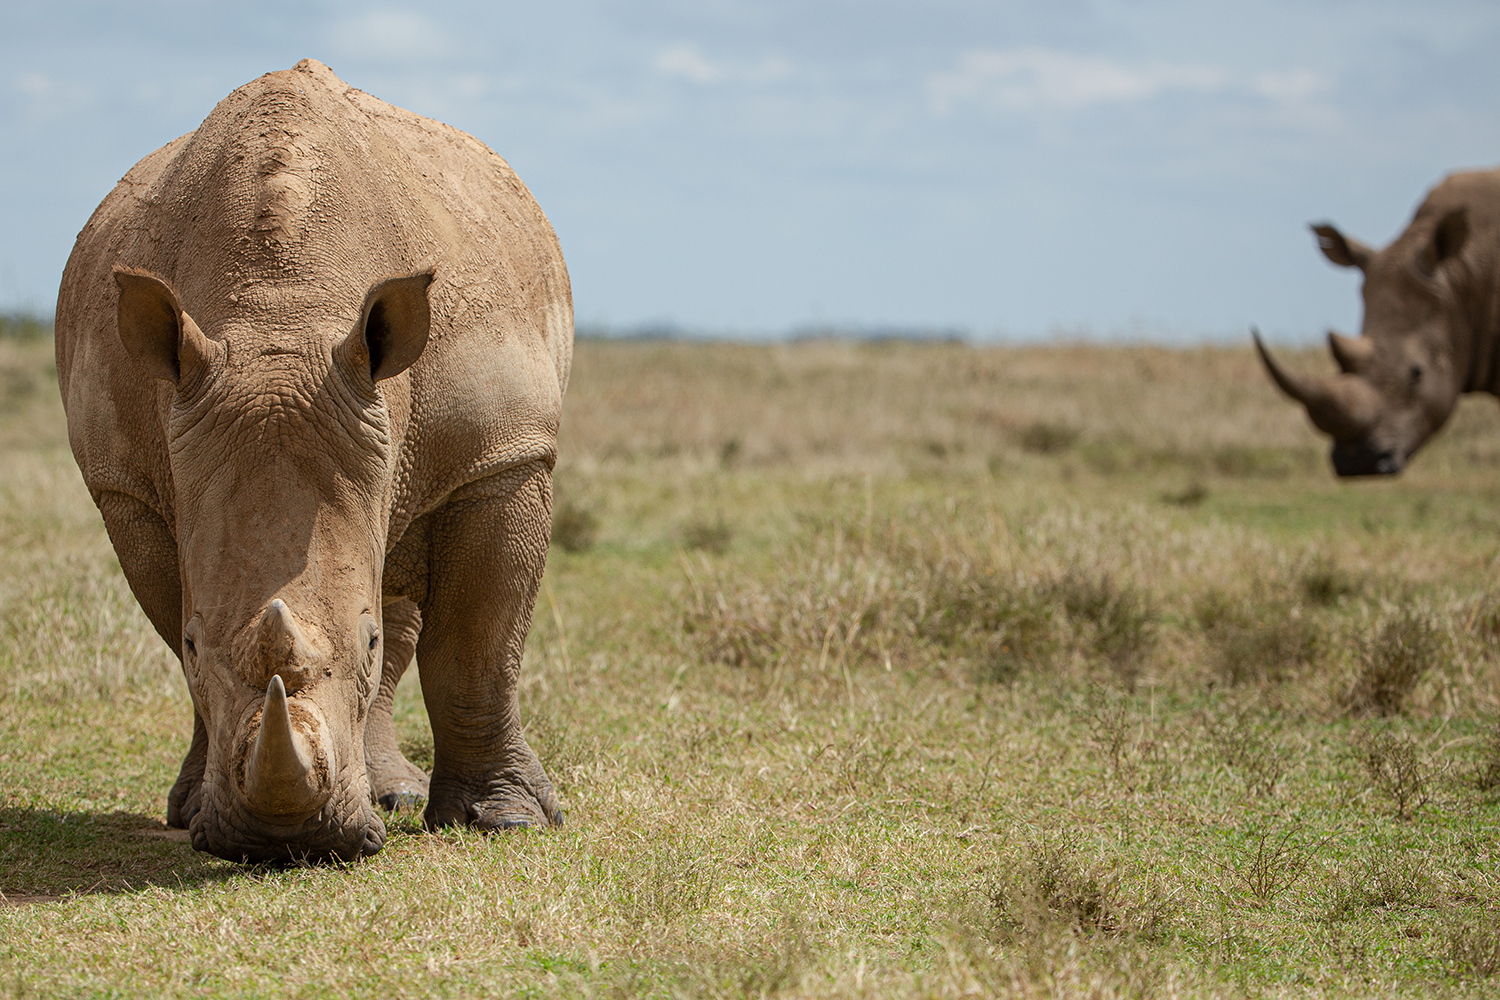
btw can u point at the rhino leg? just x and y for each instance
(182, 800)
(395, 782)
(148, 557)
(488, 548)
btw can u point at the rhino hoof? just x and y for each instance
(401, 801)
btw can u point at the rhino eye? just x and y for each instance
(1416, 374)
(188, 642)
(374, 640)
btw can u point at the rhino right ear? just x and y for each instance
(393, 326)
(162, 338)
(1340, 249)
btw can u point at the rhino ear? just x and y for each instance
(156, 332)
(393, 326)
(1448, 241)
(1341, 249)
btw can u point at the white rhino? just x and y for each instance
(313, 357)
(1431, 329)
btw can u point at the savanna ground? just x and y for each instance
(864, 670)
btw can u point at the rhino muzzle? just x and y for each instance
(1364, 460)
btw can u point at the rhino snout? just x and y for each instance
(1364, 460)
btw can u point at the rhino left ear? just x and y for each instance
(392, 328)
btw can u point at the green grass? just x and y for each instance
(863, 670)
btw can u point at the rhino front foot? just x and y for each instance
(395, 782)
(508, 798)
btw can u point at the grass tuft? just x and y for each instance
(1056, 886)
(711, 536)
(575, 527)
(1046, 438)
(1405, 645)
(1396, 767)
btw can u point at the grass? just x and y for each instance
(864, 670)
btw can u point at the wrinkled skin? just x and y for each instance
(313, 357)
(1431, 330)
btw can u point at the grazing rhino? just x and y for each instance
(313, 357)
(1431, 329)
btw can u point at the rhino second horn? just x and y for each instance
(1353, 354)
(281, 648)
(282, 776)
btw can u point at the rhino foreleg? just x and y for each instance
(182, 800)
(148, 556)
(487, 553)
(395, 782)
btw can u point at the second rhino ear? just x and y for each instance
(162, 338)
(393, 325)
(1341, 249)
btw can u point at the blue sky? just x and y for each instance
(1137, 169)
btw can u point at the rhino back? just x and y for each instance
(271, 220)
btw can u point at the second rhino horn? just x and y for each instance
(1353, 354)
(279, 641)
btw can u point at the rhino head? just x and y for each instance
(281, 455)
(1401, 378)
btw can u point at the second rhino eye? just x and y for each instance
(1416, 374)
(374, 640)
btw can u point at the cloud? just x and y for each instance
(1035, 80)
(687, 62)
(44, 98)
(396, 36)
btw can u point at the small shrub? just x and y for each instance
(1324, 583)
(20, 326)
(1045, 438)
(1393, 661)
(1245, 743)
(1269, 865)
(1474, 946)
(1381, 879)
(1132, 747)
(1260, 644)
(1487, 770)
(1244, 461)
(1056, 887)
(729, 452)
(1396, 768)
(574, 526)
(1123, 620)
(1189, 496)
(712, 536)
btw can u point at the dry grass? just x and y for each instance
(891, 670)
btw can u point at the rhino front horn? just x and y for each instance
(287, 773)
(1343, 407)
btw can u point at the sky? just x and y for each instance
(998, 170)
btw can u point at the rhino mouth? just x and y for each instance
(1363, 460)
(285, 795)
(341, 831)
